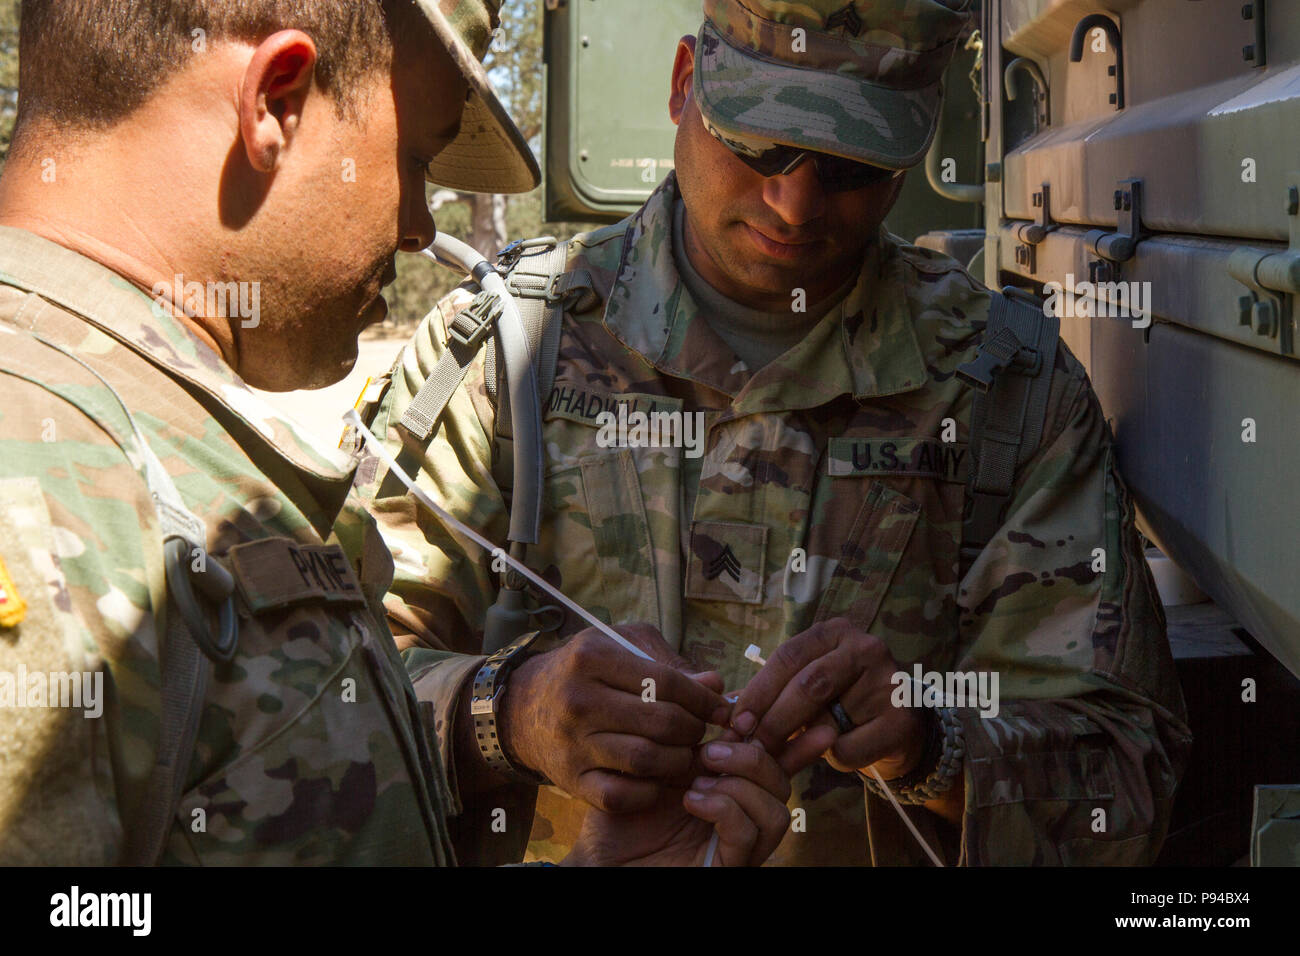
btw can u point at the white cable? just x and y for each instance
(354, 420)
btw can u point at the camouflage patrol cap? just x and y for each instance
(854, 78)
(489, 154)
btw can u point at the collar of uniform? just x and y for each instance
(650, 311)
(123, 311)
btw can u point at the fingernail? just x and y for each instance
(717, 751)
(744, 723)
(694, 796)
(704, 783)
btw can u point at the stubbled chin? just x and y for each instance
(375, 312)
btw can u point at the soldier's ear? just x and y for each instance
(683, 77)
(276, 83)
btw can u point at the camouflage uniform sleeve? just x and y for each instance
(1081, 762)
(77, 558)
(442, 585)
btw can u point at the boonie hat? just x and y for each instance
(854, 78)
(490, 154)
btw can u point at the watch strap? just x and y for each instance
(489, 687)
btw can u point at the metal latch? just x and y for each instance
(1273, 279)
(1031, 234)
(1120, 245)
(1256, 54)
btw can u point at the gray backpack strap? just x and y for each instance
(535, 275)
(466, 333)
(185, 666)
(543, 290)
(1012, 377)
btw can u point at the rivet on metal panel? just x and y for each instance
(1256, 53)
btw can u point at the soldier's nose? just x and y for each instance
(796, 197)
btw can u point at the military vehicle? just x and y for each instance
(1138, 166)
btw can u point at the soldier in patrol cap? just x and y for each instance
(821, 514)
(194, 663)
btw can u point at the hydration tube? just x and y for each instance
(521, 377)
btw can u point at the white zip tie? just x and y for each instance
(354, 420)
(754, 654)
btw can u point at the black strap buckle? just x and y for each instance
(514, 251)
(996, 354)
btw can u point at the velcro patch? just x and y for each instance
(584, 405)
(277, 573)
(898, 457)
(727, 561)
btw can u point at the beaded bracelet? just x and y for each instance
(939, 766)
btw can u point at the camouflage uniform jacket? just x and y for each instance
(311, 746)
(826, 478)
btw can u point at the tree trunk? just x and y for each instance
(487, 223)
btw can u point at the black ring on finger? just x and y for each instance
(841, 717)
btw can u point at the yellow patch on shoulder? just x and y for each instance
(12, 606)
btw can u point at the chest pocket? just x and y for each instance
(865, 558)
(311, 743)
(597, 535)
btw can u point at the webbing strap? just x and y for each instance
(542, 289)
(465, 335)
(184, 682)
(1012, 377)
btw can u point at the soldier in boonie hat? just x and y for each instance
(859, 80)
(489, 154)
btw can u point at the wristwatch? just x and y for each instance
(489, 689)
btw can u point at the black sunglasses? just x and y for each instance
(836, 173)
